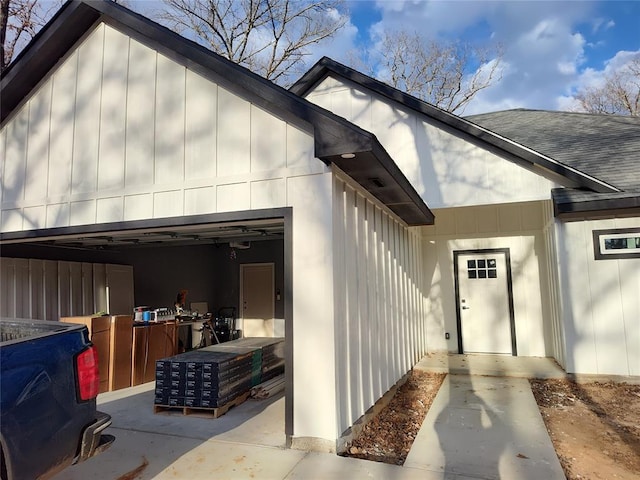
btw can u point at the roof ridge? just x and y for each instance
(558, 112)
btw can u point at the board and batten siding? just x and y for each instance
(555, 299)
(600, 302)
(445, 169)
(379, 300)
(120, 132)
(518, 227)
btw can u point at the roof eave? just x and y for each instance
(565, 209)
(45, 50)
(374, 169)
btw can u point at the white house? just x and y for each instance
(543, 205)
(380, 228)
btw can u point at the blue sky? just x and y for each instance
(551, 48)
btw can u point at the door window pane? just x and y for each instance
(482, 268)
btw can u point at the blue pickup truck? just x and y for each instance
(48, 386)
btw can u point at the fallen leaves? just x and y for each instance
(389, 435)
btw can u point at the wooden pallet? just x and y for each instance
(204, 412)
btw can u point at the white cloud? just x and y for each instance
(600, 24)
(543, 50)
(591, 77)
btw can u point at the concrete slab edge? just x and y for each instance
(313, 444)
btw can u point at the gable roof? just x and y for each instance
(334, 136)
(599, 156)
(469, 130)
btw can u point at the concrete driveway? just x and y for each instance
(484, 424)
(246, 443)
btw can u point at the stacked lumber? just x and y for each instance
(272, 359)
(269, 388)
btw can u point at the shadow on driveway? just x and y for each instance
(152, 445)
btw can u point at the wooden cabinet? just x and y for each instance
(151, 342)
(112, 337)
(121, 348)
(99, 334)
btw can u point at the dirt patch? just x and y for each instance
(594, 427)
(389, 435)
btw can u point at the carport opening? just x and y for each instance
(219, 264)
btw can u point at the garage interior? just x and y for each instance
(205, 257)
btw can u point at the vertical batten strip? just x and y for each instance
(342, 393)
(384, 302)
(352, 307)
(422, 293)
(372, 278)
(396, 300)
(406, 317)
(359, 259)
(383, 370)
(365, 351)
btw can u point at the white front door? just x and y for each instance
(485, 307)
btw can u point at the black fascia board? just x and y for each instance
(326, 66)
(333, 135)
(566, 208)
(46, 49)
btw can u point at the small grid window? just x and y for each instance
(482, 268)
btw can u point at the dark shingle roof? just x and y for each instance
(604, 146)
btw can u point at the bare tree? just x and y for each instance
(445, 74)
(270, 37)
(20, 20)
(618, 95)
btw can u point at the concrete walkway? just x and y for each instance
(478, 428)
(485, 427)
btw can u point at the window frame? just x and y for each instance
(599, 237)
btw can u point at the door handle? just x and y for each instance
(464, 307)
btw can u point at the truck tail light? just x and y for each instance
(88, 376)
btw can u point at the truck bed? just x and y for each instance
(16, 330)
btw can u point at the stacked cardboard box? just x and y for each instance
(202, 378)
(271, 355)
(212, 376)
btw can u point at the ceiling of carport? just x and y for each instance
(208, 234)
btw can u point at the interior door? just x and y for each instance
(257, 299)
(119, 288)
(485, 305)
